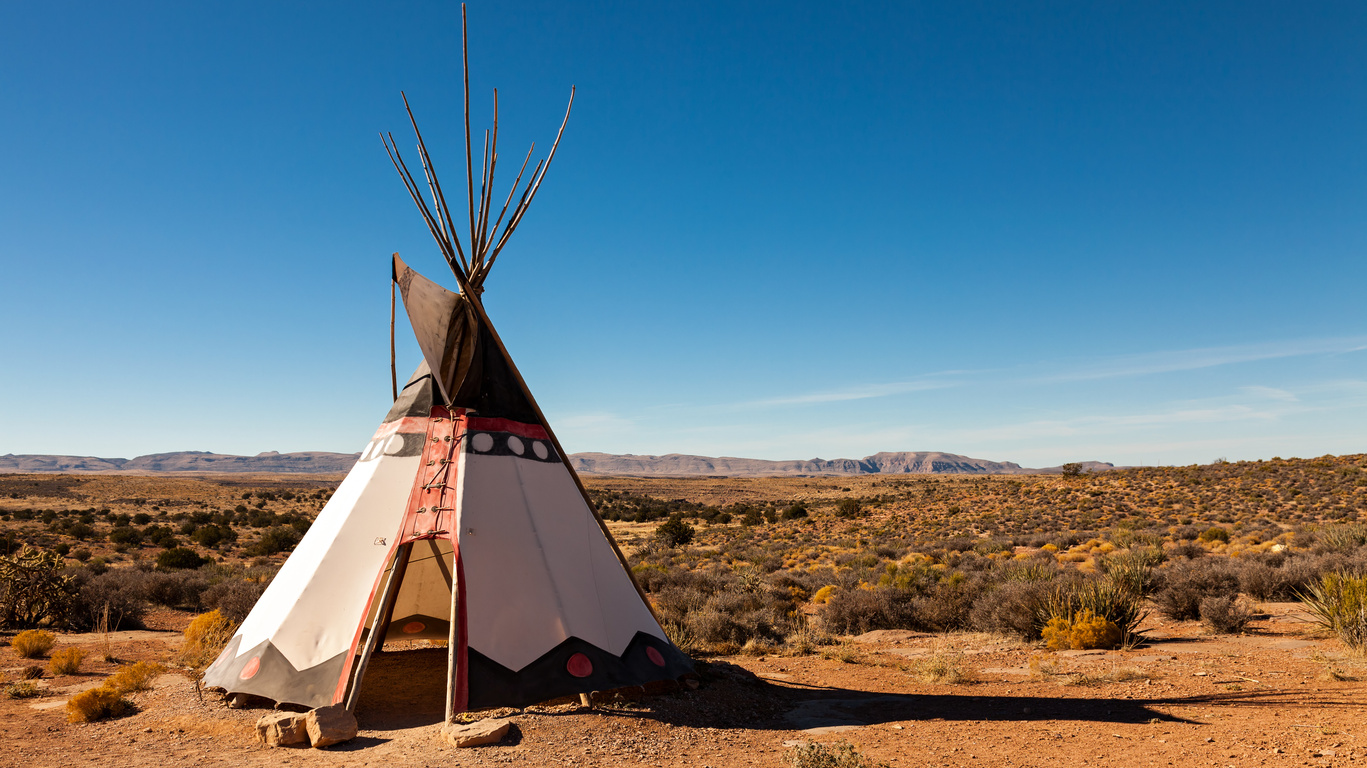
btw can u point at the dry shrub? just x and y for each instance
(721, 613)
(1010, 609)
(97, 704)
(1187, 583)
(1338, 603)
(110, 699)
(947, 606)
(205, 638)
(32, 672)
(823, 595)
(134, 677)
(234, 599)
(21, 690)
(1226, 615)
(856, 611)
(1081, 631)
(33, 643)
(66, 661)
(839, 755)
(118, 593)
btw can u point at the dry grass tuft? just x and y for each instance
(757, 646)
(66, 661)
(31, 672)
(21, 690)
(839, 755)
(942, 668)
(844, 653)
(33, 643)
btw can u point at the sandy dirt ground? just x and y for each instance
(1278, 695)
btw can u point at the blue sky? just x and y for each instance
(1029, 232)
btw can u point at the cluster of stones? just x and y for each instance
(320, 727)
(326, 726)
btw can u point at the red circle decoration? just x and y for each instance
(655, 657)
(579, 665)
(413, 627)
(250, 670)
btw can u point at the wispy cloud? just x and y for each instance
(855, 393)
(1170, 361)
(1270, 393)
(595, 423)
(1112, 367)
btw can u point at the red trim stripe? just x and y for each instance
(412, 424)
(532, 431)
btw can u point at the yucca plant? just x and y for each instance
(1338, 602)
(1106, 600)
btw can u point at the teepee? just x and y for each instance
(462, 521)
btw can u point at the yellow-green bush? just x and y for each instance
(66, 661)
(134, 677)
(823, 595)
(110, 699)
(205, 638)
(1081, 631)
(33, 643)
(97, 704)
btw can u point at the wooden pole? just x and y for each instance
(393, 369)
(391, 591)
(469, 162)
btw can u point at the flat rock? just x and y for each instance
(282, 729)
(489, 731)
(1289, 644)
(49, 704)
(889, 636)
(830, 729)
(330, 725)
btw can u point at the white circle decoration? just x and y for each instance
(515, 445)
(482, 442)
(539, 448)
(394, 445)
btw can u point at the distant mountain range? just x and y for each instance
(674, 464)
(900, 463)
(186, 461)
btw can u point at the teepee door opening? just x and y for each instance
(414, 604)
